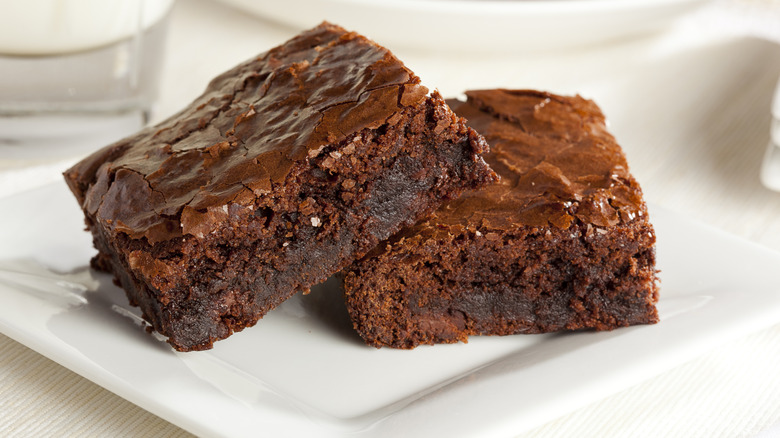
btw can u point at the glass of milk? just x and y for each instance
(78, 67)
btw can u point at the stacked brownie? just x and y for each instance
(563, 242)
(295, 164)
(289, 167)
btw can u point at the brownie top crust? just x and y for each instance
(245, 134)
(556, 160)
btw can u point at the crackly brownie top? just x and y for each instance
(245, 133)
(556, 160)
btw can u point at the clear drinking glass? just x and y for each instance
(770, 169)
(77, 71)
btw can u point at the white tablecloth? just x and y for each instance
(690, 106)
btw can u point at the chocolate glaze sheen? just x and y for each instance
(171, 180)
(556, 160)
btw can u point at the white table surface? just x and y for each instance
(690, 106)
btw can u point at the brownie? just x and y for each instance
(563, 242)
(288, 168)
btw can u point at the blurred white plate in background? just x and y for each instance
(480, 25)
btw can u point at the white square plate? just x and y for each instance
(301, 371)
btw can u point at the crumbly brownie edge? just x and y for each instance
(491, 282)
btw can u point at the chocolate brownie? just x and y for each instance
(563, 242)
(289, 166)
